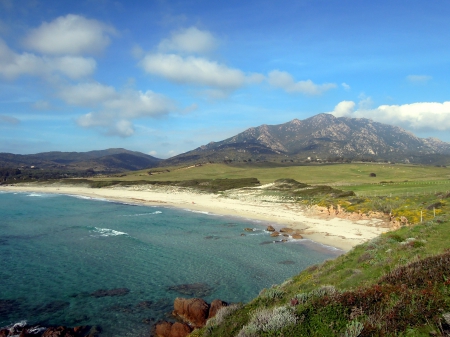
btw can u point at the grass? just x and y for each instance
(322, 174)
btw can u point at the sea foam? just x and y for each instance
(107, 232)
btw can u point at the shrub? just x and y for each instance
(223, 313)
(267, 320)
(354, 329)
(272, 293)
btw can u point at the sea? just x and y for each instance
(71, 260)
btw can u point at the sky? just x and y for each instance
(165, 77)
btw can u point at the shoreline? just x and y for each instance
(337, 232)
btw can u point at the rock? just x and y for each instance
(286, 230)
(297, 236)
(163, 329)
(215, 306)
(270, 229)
(275, 234)
(167, 329)
(180, 330)
(248, 229)
(110, 292)
(59, 331)
(193, 310)
(4, 333)
(285, 235)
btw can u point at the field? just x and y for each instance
(390, 180)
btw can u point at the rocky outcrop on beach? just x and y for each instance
(22, 329)
(193, 312)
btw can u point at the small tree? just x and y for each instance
(372, 174)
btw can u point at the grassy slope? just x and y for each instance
(337, 174)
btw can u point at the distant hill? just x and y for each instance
(110, 160)
(322, 138)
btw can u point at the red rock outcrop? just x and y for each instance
(167, 329)
(215, 306)
(194, 311)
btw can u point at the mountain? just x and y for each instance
(325, 138)
(110, 160)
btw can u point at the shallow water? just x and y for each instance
(68, 260)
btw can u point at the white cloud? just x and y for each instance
(346, 86)
(73, 67)
(193, 70)
(152, 153)
(284, 80)
(8, 120)
(13, 65)
(189, 40)
(70, 35)
(418, 79)
(344, 109)
(41, 105)
(116, 110)
(122, 128)
(421, 115)
(87, 94)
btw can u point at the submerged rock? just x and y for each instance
(110, 292)
(287, 262)
(192, 289)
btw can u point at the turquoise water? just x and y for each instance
(60, 257)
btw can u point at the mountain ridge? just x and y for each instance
(321, 137)
(109, 160)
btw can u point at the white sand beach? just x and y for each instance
(339, 232)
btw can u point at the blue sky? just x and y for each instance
(164, 77)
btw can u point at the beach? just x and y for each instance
(328, 229)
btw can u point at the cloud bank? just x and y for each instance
(13, 65)
(418, 116)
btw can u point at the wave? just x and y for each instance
(15, 328)
(202, 212)
(107, 232)
(87, 198)
(143, 214)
